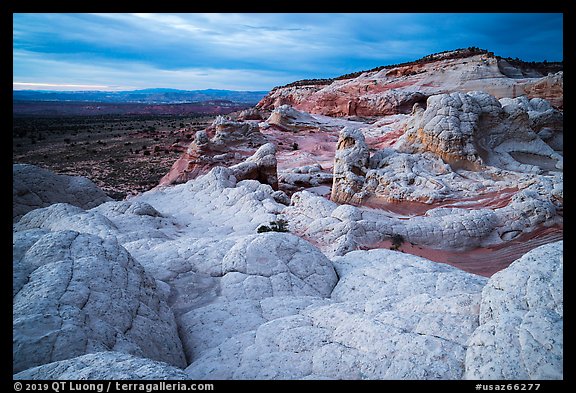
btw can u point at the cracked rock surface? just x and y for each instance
(177, 283)
(521, 320)
(389, 317)
(104, 366)
(76, 293)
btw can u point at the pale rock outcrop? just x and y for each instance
(391, 316)
(217, 203)
(350, 166)
(227, 131)
(521, 321)
(225, 142)
(459, 145)
(63, 216)
(475, 129)
(313, 178)
(251, 305)
(260, 166)
(291, 266)
(34, 187)
(250, 114)
(75, 293)
(103, 366)
(256, 267)
(287, 118)
(445, 128)
(292, 96)
(339, 229)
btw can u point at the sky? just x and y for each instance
(253, 52)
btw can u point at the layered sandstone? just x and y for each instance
(436, 254)
(393, 90)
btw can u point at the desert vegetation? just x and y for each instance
(123, 154)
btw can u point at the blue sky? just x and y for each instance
(253, 51)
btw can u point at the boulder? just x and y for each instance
(34, 187)
(520, 335)
(76, 293)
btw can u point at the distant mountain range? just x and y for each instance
(144, 96)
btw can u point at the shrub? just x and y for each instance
(397, 241)
(275, 226)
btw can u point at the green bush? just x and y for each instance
(275, 226)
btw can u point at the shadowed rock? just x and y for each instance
(104, 366)
(34, 187)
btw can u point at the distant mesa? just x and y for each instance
(143, 96)
(136, 102)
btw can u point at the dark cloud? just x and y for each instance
(286, 46)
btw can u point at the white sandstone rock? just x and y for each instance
(257, 267)
(521, 320)
(77, 293)
(104, 366)
(289, 119)
(291, 265)
(391, 316)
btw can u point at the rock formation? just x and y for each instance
(474, 129)
(104, 366)
(350, 167)
(312, 178)
(34, 187)
(231, 143)
(260, 166)
(75, 293)
(436, 253)
(287, 118)
(521, 321)
(387, 318)
(249, 305)
(395, 89)
(460, 144)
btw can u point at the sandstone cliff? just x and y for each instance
(395, 89)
